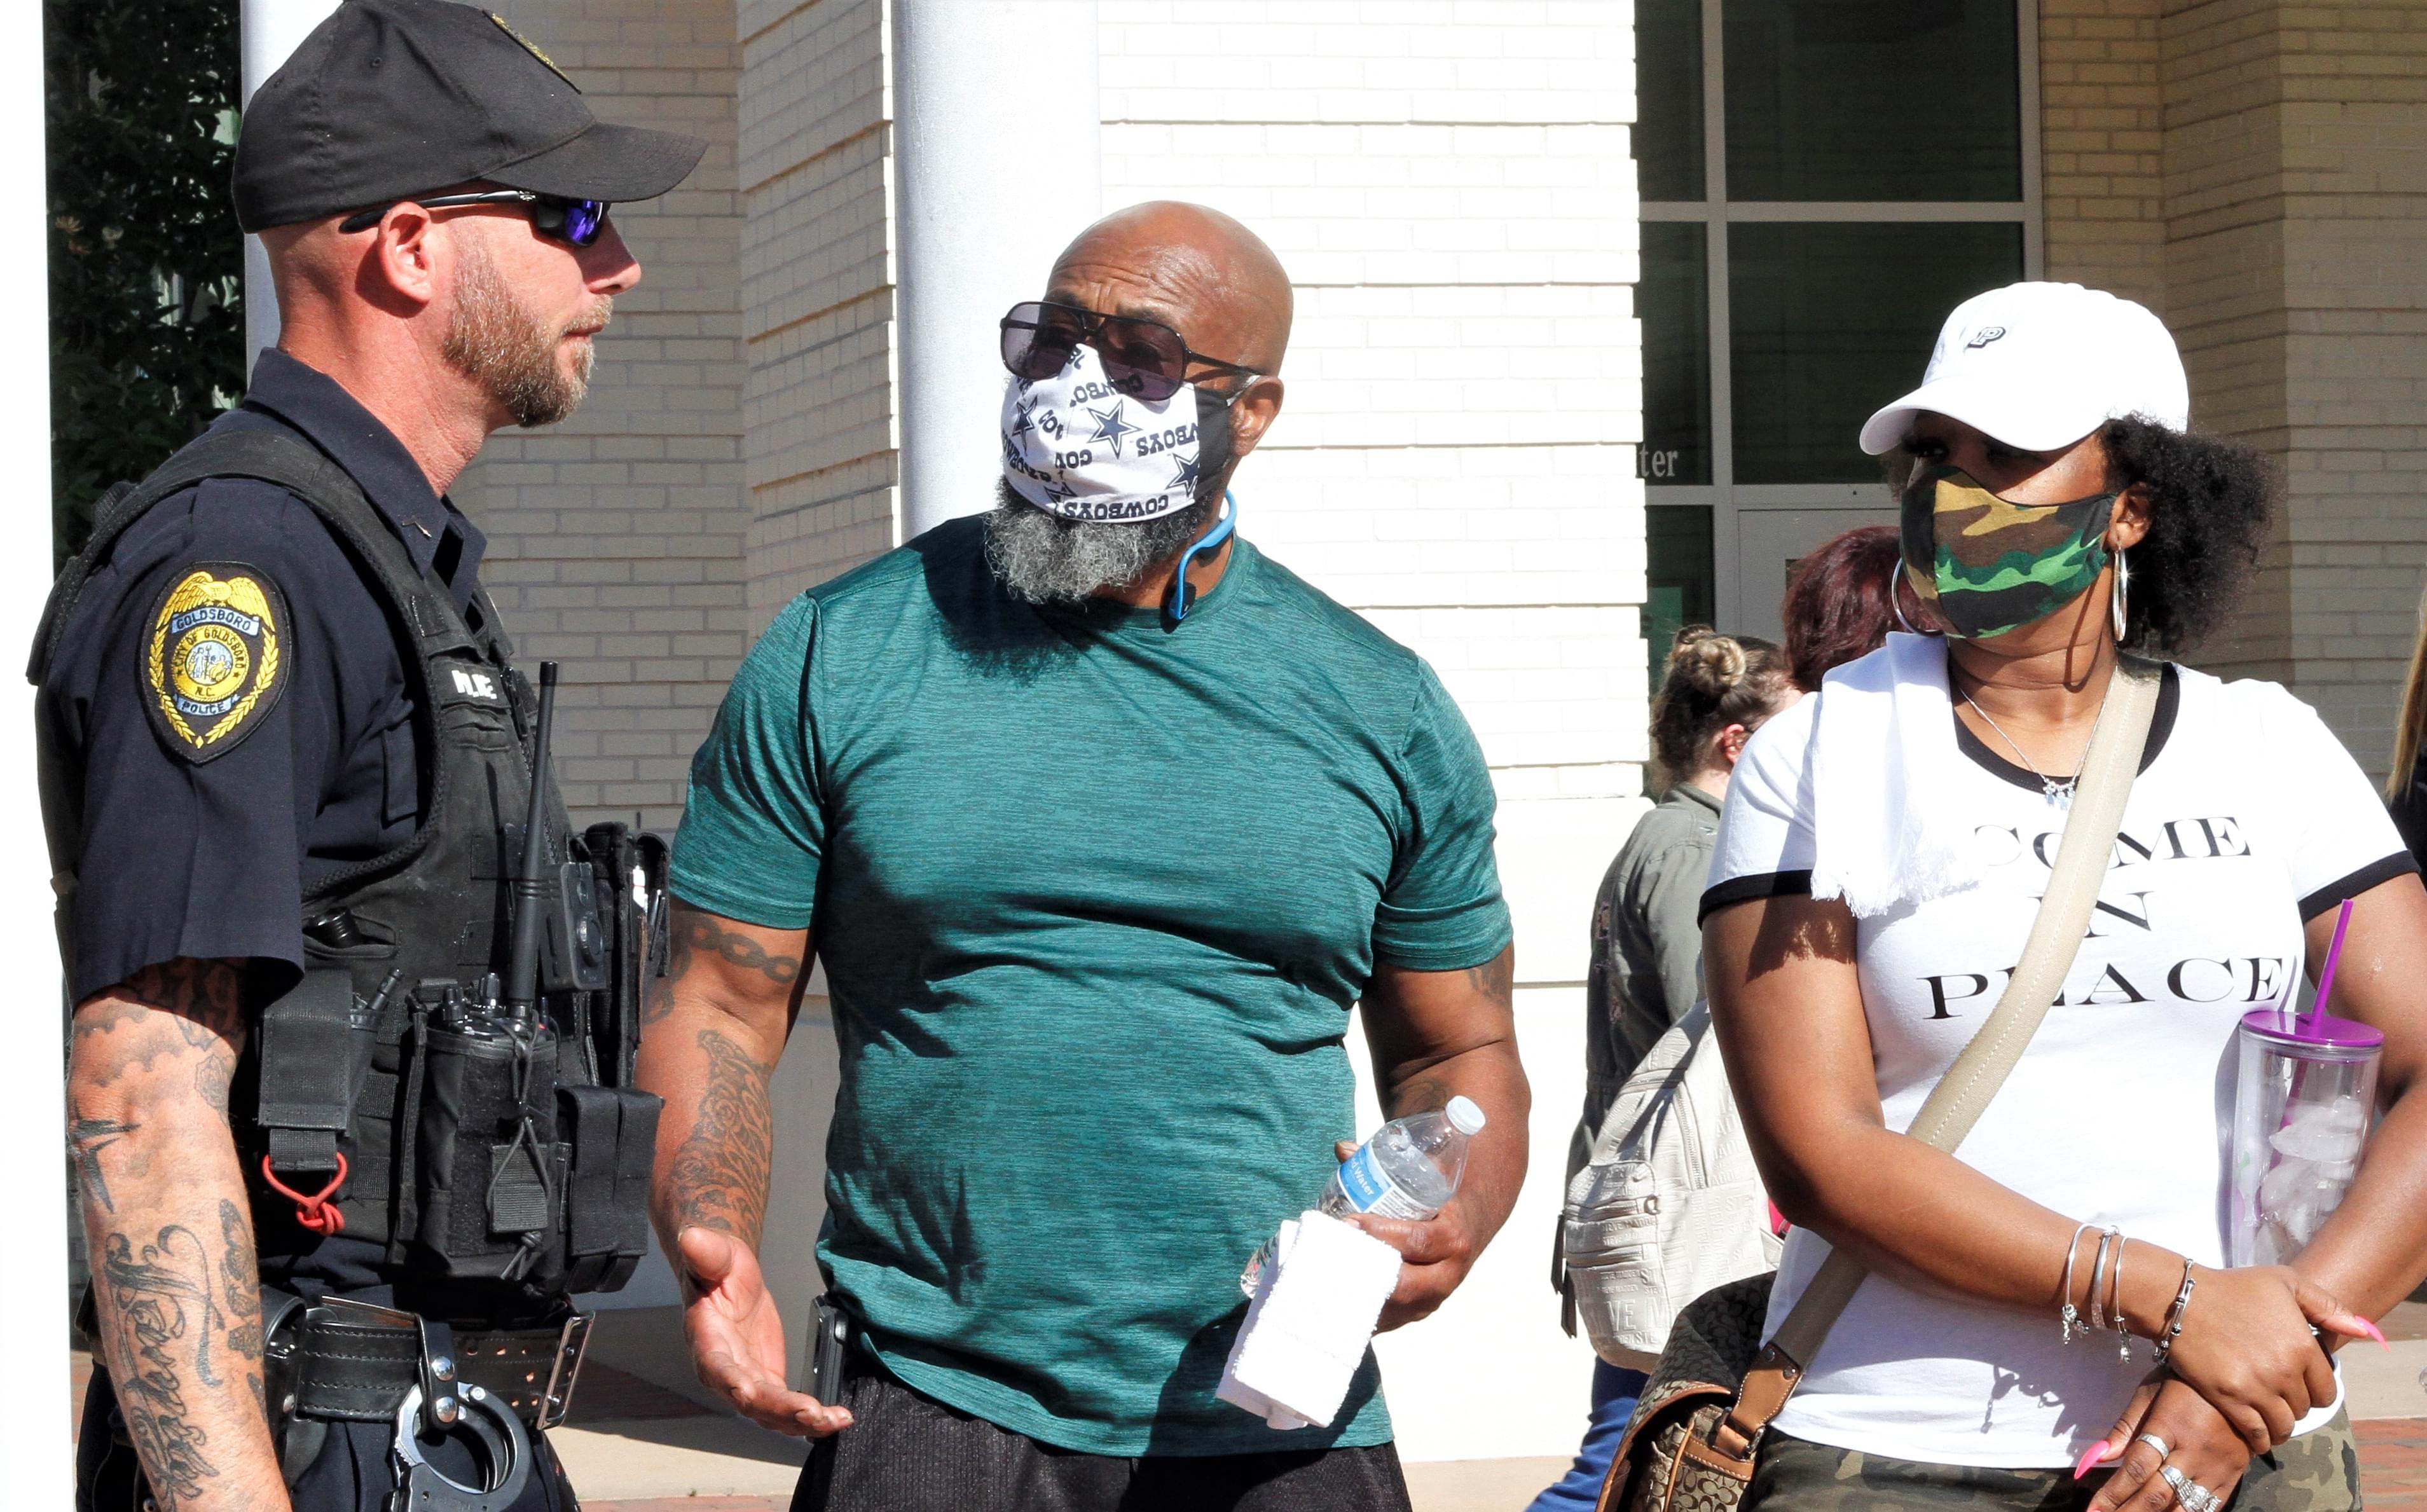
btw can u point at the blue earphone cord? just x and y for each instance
(1181, 597)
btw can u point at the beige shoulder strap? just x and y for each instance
(1956, 1103)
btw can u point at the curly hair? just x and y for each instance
(2210, 503)
(1713, 681)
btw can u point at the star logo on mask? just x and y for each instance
(1111, 426)
(1184, 474)
(1057, 493)
(1027, 421)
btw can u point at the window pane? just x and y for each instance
(1674, 302)
(1873, 100)
(1681, 591)
(1668, 99)
(1828, 322)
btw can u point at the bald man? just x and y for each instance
(1100, 821)
(282, 746)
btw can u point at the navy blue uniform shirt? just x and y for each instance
(210, 860)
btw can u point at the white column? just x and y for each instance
(34, 1406)
(271, 31)
(995, 170)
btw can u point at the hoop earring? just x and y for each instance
(1895, 580)
(2122, 584)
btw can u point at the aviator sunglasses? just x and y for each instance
(575, 222)
(1142, 357)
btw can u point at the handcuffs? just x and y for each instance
(422, 1487)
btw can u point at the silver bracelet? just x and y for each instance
(2123, 1335)
(2069, 1317)
(2173, 1328)
(2107, 1237)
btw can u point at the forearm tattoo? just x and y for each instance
(88, 1137)
(158, 1316)
(719, 1177)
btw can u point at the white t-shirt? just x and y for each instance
(2248, 818)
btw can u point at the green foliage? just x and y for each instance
(147, 266)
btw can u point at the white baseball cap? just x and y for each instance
(2040, 365)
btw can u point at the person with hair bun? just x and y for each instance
(1883, 854)
(1646, 963)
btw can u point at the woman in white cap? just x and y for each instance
(2047, 1318)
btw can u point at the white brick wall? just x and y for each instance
(817, 274)
(616, 538)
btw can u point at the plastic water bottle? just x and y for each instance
(1410, 1169)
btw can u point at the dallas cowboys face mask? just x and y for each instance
(1082, 445)
(1988, 566)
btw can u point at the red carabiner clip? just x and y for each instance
(314, 1212)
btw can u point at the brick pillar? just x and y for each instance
(2296, 235)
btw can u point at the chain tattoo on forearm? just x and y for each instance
(691, 931)
(719, 1177)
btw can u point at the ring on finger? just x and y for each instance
(2164, 1451)
(2192, 1496)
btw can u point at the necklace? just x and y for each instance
(2059, 793)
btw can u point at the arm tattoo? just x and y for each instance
(692, 932)
(1423, 1094)
(174, 1009)
(159, 1313)
(240, 1286)
(719, 1177)
(1495, 979)
(90, 1137)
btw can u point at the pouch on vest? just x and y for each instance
(486, 1163)
(315, 1051)
(611, 1136)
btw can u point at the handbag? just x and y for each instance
(1691, 1443)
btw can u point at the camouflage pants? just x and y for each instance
(2316, 1473)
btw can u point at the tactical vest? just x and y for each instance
(474, 1157)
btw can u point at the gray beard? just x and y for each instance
(494, 340)
(1044, 558)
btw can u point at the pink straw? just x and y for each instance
(2326, 974)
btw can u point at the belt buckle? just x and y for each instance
(572, 1347)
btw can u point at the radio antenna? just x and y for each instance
(530, 887)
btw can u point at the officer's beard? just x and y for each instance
(1045, 558)
(495, 340)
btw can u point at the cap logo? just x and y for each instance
(1987, 335)
(530, 47)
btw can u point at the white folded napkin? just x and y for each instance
(1310, 1321)
(1883, 833)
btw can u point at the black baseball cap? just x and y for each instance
(388, 99)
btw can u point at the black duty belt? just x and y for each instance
(358, 1362)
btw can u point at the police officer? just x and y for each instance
(339, 1176)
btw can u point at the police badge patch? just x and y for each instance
(214, 662)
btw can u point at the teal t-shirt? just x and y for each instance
(1094, 893)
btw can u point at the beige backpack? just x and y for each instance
(1668, 1207)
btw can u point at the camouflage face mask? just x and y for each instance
(1988, 566)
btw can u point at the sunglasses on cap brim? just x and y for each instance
(575, 222)
(1142, 357)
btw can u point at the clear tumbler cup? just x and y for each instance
(2302, 1111)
